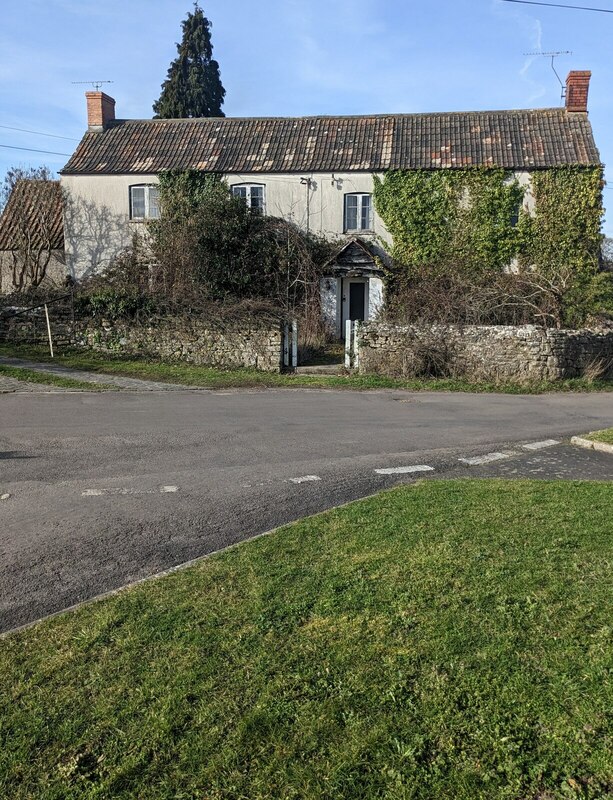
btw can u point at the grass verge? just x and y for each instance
(48, 379)
(446, 640)
(215, 378)
(605, 436)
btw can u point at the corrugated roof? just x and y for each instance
(508, 139)
(35, 208)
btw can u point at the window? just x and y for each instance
(144, 202)
(358, 212)
(252, 194)
(515, 214)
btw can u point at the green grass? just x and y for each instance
(447, 640)
(215, 378)
(47, 379)
(605, 436)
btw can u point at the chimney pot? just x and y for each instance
(577, 90)
(100, 110)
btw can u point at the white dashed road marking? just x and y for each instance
(487, 459)
(540, 445)
(119, 490)
(404, 470)
(305, 479)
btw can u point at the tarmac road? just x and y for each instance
(101, 489)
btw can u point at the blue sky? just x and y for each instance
(295, 57)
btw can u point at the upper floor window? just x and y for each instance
(252, 194)
(358, 212)
(144, 202)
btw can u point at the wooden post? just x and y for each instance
(356, 344)
(49, 331)
(348, 327)
(294, 343)
(285, 344)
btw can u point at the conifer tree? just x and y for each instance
(193, 85)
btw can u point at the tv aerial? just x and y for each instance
(553, 56)
(94, 84)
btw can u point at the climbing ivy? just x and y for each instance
(565, 227)
(474, 223)
(419, 210)
(468, 217)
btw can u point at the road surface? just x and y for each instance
(101, 489)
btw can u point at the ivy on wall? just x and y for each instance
(465, 217)
(473, 223)
(474, 218)
(565, 227)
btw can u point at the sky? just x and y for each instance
(294, 58)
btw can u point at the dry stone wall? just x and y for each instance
(241, 343)
(497, 353)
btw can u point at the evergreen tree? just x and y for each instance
(193, 86)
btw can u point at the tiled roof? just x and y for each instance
(34, 207)
(509, 139)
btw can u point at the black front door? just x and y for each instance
(356, 300)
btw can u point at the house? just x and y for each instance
(32, 236)
(317, 171)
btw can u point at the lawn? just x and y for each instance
(451, 639)
(605, 436)
(216, 378)
(47, 379)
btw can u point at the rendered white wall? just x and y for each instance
(98, 225)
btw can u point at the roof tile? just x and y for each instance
(508, 139)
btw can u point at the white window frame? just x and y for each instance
(248, 187)
(360, 196)
(147, 190)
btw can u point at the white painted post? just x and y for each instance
(356, 344)
(294, 343)
(348, 328)
(49, 331)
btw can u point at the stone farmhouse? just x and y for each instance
(317, 171)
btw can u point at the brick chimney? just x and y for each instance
(100, 110)
(577, 89)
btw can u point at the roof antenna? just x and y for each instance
(95, 84)
(553, 57)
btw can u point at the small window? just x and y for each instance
(358, 212)
(252, 194)
(144, 202)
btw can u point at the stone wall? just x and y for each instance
(241, 343)
(497, 353)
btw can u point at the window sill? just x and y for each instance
(363, 231)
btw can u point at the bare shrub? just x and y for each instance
(432, 297)
(31, 224)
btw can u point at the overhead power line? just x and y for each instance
(560, 5)
(31, 150)
(40, 133)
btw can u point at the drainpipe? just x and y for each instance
(308, 183)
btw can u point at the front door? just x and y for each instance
(354, 300)
(357, 295)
